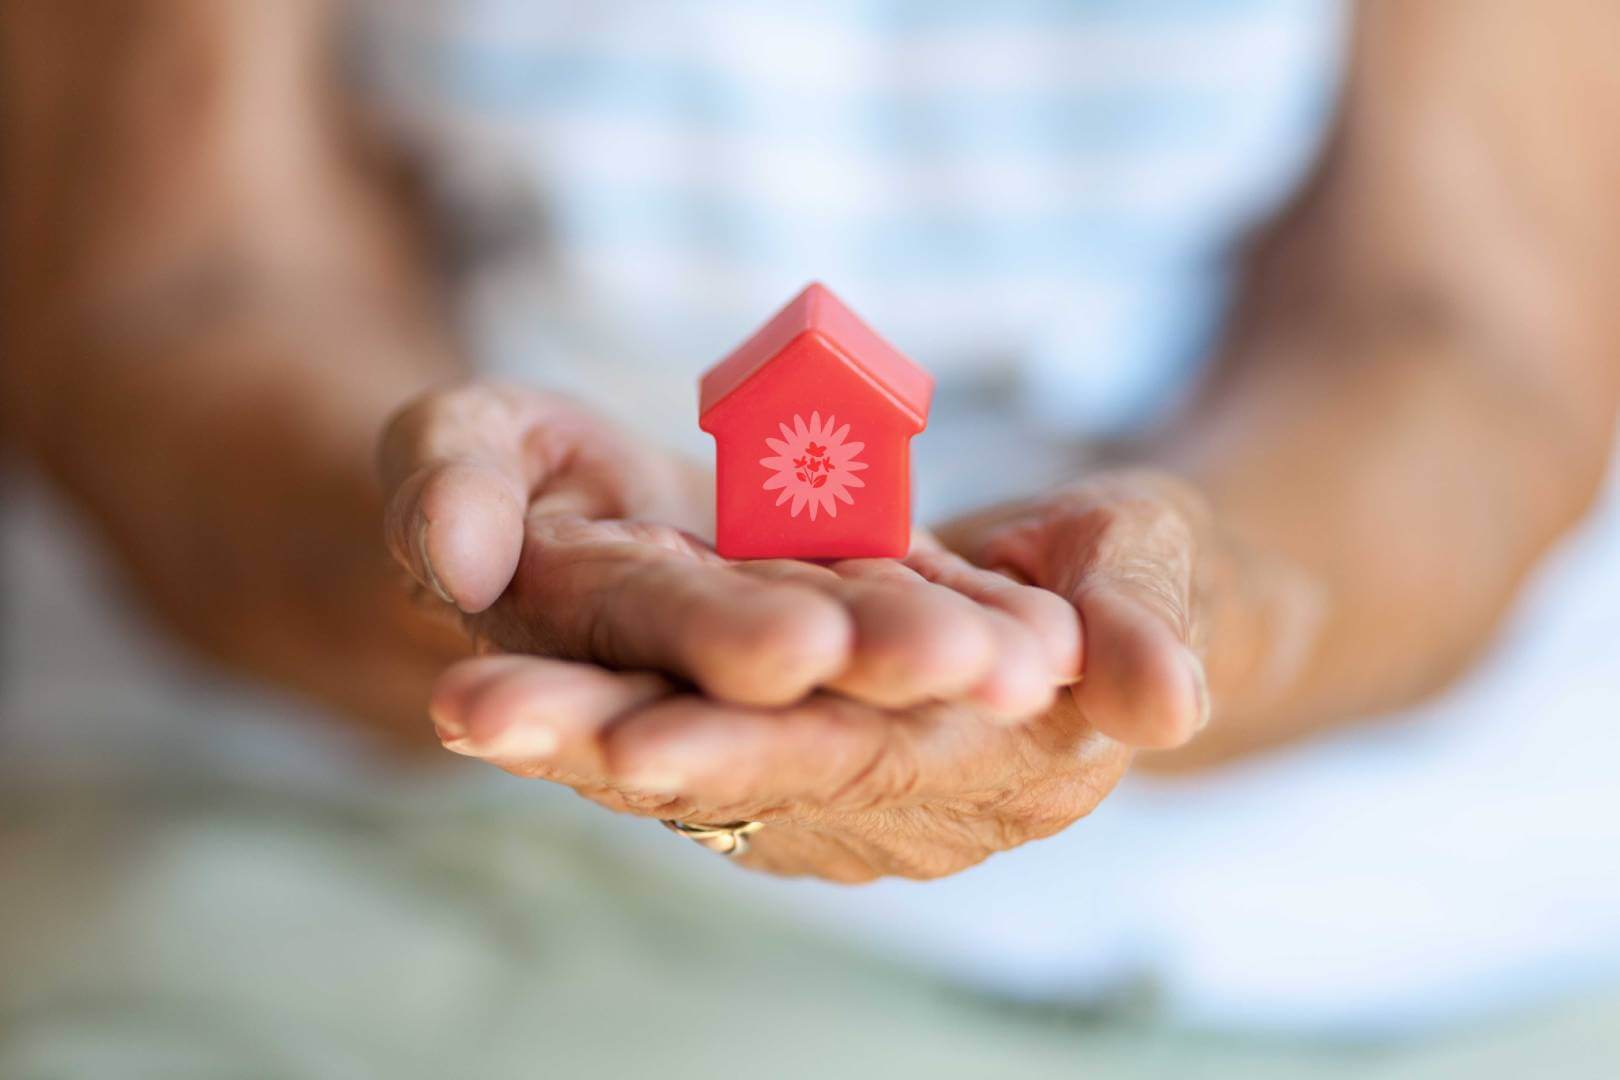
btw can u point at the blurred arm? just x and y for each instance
(1420, 394)
(199, 255)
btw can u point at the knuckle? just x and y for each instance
(430, 409)
(402, 425)
(452, 422)
(470, 403)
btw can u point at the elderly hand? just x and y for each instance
(556, 534)
(849, 791)
(1132, 552)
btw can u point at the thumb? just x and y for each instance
(1121, 549)
(456, 478)
(1141, 682)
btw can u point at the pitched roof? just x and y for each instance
(817, 310)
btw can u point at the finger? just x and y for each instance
(1019, 684)
(914, 641)
(1122, 552)
(1050, 618)
(641, 596)
(457, 687)
(456, 476)
(827, 753)
(1142, 685)
(927, 643)
(536, 716)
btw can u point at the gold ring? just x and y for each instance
(730, 839)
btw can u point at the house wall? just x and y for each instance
(812, 386)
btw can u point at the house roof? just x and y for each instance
(816, 310)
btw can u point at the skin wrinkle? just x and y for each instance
(901, 779)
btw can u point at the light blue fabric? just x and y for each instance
(1055, 187)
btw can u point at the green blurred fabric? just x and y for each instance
(224, 929)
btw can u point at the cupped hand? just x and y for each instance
(555, 533)
(1181, 615)
(849, 791)
(1133, 552)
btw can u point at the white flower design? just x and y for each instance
(813, 465)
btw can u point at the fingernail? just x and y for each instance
(427, 563)
(1201, 689)
(447, 727)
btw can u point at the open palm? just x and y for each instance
(556, 534)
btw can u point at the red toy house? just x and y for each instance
(812, 419)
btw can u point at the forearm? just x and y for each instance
(1374, 503)
(1419, 393)
(205, 331)
(230, 468)
(236, 489)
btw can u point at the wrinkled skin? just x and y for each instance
(882, 717)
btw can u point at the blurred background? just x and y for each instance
(201, 874)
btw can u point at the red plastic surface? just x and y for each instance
(812, 419)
